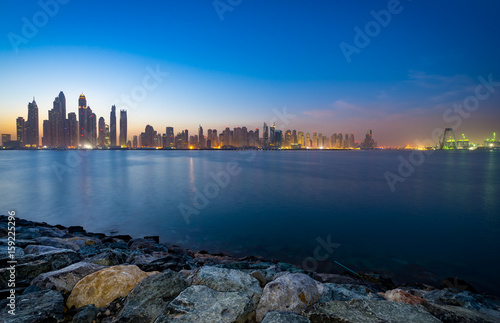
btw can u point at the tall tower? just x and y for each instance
(170, 137)
(32, 133)
(102, 135)
(112, 126)
(21, 131)
(272, 139)
(82, 120)
(201, 137)
(123, 128)
(73, 130)
(369, 144)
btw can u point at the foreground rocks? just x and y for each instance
(70, 275)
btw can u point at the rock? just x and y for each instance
(84, 241)
(31, 289)
(58, 258)
(45, 231)
(38, 249)
(228, 280)
(22, 243)
(154, 238)
(109, 313)
(150, 297)
(456, 283)
(346, 292)
(148, 245)
(24, 273)
(119, 245)
(140, 259)
(284, 317)
(86, 314)
(368, 311)
(258, 275)
(401, 296)
(17, 252)
(458, 298)
(66, 278)
(103, 286)
(171, 261)
(124, 237)
(108, 258)
(202, 304)
(43, 306)
(76, 229)
(60, 243)
(289, 293)
(449, 314)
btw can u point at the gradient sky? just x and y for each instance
(264, 56)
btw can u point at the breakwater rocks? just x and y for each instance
(58, 274)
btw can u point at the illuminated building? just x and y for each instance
(21, 130)
(32, 133)
(170, 137)
(112, 126)
(369, 143)
(201, 143)
(82, 120)
(123, 128)
(102, 135)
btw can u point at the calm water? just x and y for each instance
(442, 221)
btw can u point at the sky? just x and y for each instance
(399, 68)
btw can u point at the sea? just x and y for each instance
(418, 216)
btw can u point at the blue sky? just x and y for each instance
(260, 58)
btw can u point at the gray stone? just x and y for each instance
(228, 280)
(345, 292)
(38, 249)
(284, 317)
(369, 311)
(86, 314)
(289, 293)
(22, 243)
(448, 313)
(15, 252)
(66, 278)
(108, 258)
(43, 306)
(150, 297)
(61, 243)
(203, 304)
(458, 298)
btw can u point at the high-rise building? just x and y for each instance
(32, 132)
(92, 128)
(278, 138)
(73, 130)
(59, 121)
(201, 143)
(82, 121)
(265, 136)
(301, 139)
(112, 126)
(123, 128)
(5, 138)
(102, 135)
(106, 136)
(272, 139)
(21, 131)
(170, 137)
(308, 140)
(369, 143)
(352, 144)
(134, 142)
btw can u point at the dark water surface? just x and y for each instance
(442, 221)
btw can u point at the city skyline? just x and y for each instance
(321, 63)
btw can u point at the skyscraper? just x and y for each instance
(170, 137)
(102, 135)
(82, 120)
(369, 143)
(272, 133)
(21, 131)
(265, 136)
(32, 133)
(73, 130)
(201, 141)
(112, 126)
(92, 128)
(123, 128)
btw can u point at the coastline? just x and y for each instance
(58, 272)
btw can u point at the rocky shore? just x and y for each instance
(65, 274)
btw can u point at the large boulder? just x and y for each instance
(61, 243)
(289, 293)
(38, 307)
(448, 313)
(228, 280)
(66, 278)
(102, 287)
(345, 292)
(149, 298)
(369, 311)
(38, 249)
(284, 317)
(203, 304)
(108, 258)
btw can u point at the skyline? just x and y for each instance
(259, 59)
